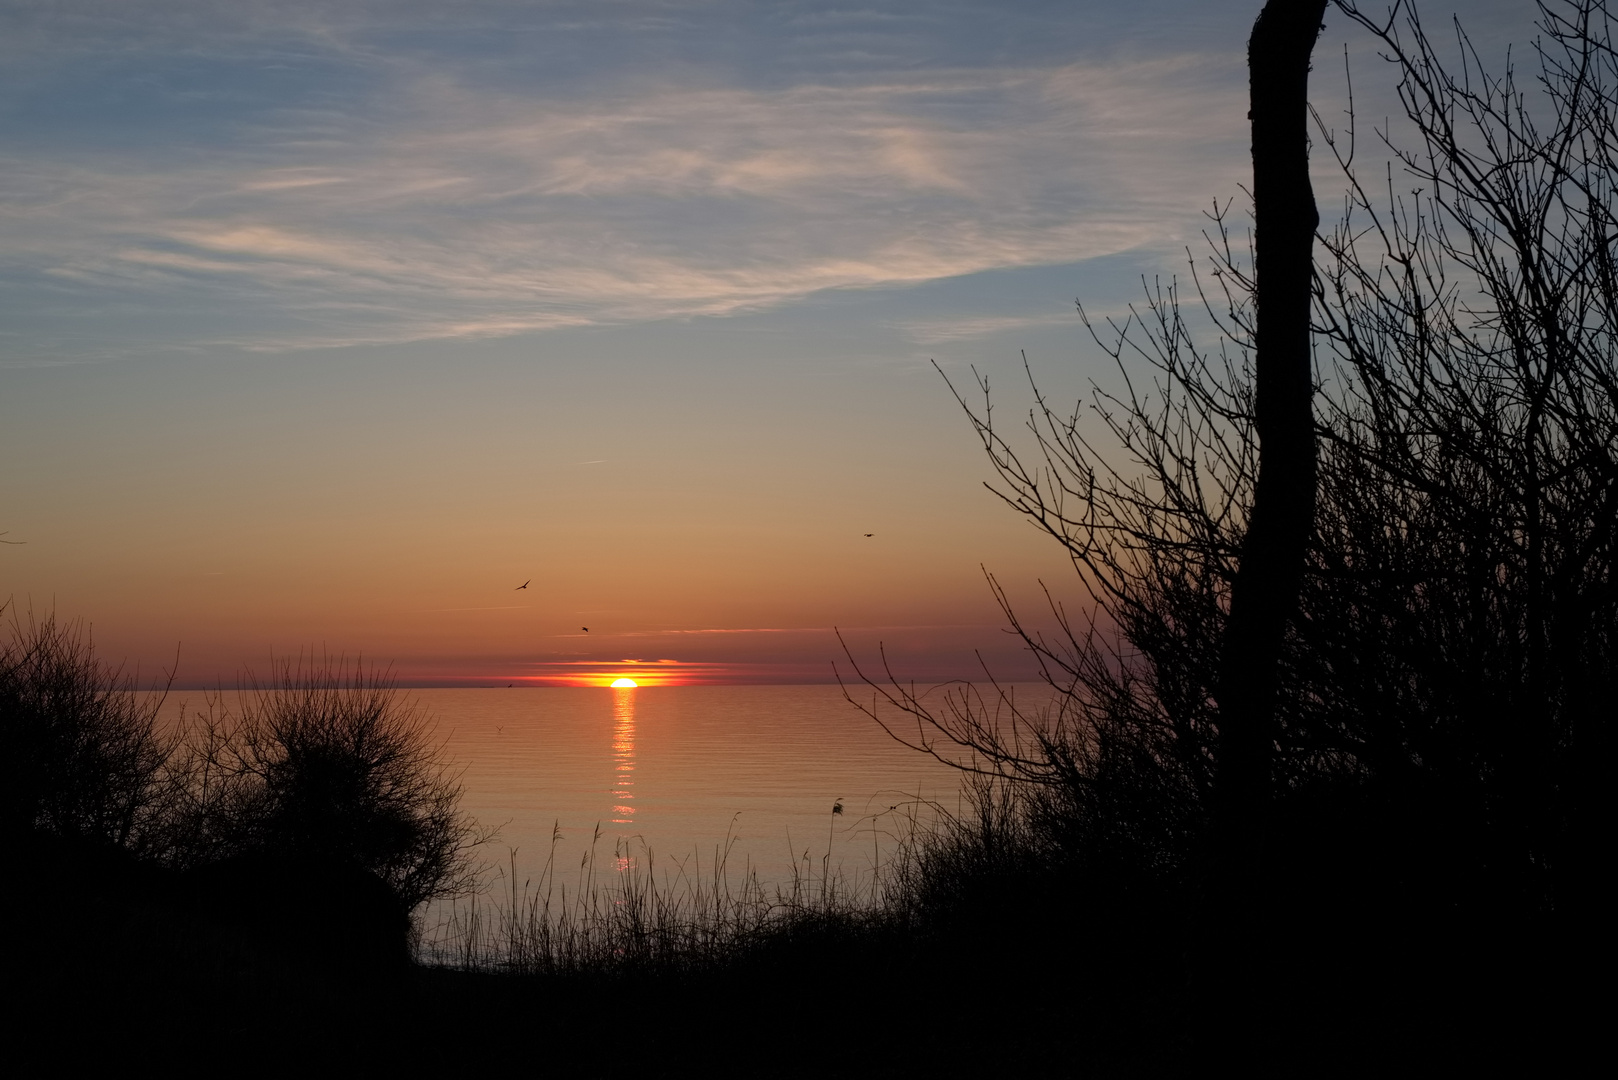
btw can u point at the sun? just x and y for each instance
(625, 682)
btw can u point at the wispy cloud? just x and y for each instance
(436, 207)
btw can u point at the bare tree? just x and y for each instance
(1269, 572)
(1472, 449)
(1446, 663)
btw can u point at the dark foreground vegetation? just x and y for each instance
(1403, 870)
(239, 890)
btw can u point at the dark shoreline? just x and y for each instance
(116, 963)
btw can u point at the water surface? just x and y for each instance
(680, 771)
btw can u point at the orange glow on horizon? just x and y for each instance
(606, 680)
(631, 673)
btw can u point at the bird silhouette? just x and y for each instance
(870, 534)
(586, 629)
(523, 586)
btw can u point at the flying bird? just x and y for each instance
(870, 534)
(523, 586)
(586, 629)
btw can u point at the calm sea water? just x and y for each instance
(679, 773)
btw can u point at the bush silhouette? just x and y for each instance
(328, 767)
(82, 756)
(303, 827)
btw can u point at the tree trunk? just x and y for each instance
(1264, 594)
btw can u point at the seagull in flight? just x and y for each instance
(523, 586)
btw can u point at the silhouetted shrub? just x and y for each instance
(81, 753)
(325, 776)
(326, 767)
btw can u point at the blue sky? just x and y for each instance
(302, 302)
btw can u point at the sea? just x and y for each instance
(764, 781)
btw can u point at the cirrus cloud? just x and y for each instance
(433, 207)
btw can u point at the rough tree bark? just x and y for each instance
(1265, 591)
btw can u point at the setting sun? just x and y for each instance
(624, 682)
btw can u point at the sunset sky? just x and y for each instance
(325, 325)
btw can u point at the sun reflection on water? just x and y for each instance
(623, 754)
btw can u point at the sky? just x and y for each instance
(324, 326)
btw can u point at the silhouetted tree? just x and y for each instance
(1269, 571)
(1447, 661)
